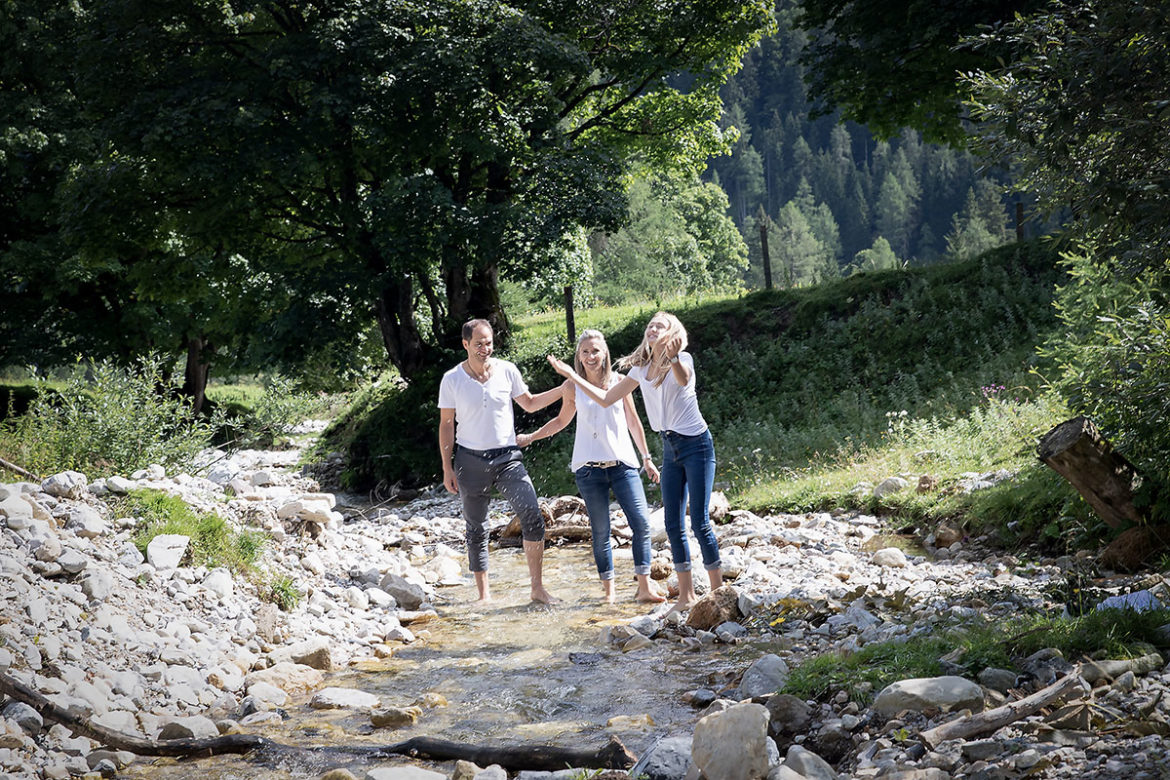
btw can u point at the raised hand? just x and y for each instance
(560, 366)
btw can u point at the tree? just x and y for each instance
(879, 257)
(891, 65)
(1082, 117)
(981, 225)
(679, 240)
(799, 258)
(397, 157)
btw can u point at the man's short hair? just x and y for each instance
(470, 326)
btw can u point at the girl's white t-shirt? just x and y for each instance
(671, 406)
(602, 432)
(483, 412)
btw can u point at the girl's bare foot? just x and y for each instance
(608, 595)
(649, 596)
(684, 604)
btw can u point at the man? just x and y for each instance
(477, 442)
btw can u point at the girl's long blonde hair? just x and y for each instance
(644, 354)
(606, 369)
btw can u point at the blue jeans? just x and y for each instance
(594, 484)
(688, 466)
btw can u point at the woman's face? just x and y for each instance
(655, 328)
(592, 353)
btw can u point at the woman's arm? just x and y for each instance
(634, 423)
(556, 424)
(678, 369)
(534, 403)
(604, 397)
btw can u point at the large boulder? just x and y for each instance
(926, 694)
(719, 606)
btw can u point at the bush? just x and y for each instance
(107, 419)
(272, 416)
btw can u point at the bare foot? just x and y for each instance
(482, 600)
(542, 596)
(649, 597)
(682, 605)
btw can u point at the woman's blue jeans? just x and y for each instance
(594, 484)
(688, 466)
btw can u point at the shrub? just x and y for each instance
(105, 419)
(272, 416)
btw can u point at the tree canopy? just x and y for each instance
(379, 158)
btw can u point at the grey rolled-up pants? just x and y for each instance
(477, 472)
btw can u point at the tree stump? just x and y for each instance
(1076, 451)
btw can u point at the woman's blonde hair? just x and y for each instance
(644, 354)
(606, 369)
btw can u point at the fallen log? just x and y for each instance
(1077, 451)
(612, 755)
(990, 720)
(21, 471)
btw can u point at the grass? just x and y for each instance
(1109, 633)
(214, 542)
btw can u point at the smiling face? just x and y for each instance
(479, 347)
(655, 328)
(593, 354)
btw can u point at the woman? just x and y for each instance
(604, 459)
(666, 374)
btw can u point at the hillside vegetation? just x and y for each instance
(810, 391)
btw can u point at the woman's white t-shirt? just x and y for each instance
(602, 432)
(671, 406)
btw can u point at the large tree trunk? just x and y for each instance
(196, 372)
(404, 344)
(474, 293)
(1077, 451)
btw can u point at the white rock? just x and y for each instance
(890, 557)
(220, 582)
(334, 698)
(945, 693)
(67, 484)
(733, 744)
(166, 551)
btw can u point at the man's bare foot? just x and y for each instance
(542, 596)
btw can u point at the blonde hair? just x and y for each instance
(644, 354)
(606, 369)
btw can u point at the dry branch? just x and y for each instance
(18, 470)
(613, 755)
(990, 720)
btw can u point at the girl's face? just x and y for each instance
(592, 353)
(655, 328)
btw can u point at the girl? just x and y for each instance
(666, 374)
(604, 460)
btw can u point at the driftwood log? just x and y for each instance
(1079, 453)
(21, 471)
(612, 755)
(990, 720)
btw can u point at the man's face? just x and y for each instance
(479, 347)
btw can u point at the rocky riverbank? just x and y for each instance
(151, 646)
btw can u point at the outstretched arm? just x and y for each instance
(534, 403)
(604, 397)
(556, 424)
(634, 423)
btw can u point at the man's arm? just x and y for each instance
(556, 424)
(447, 448)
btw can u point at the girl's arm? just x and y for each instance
(678, 369)
(556, 424)
(606, 398)
(634, 423)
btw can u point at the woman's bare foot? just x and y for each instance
(648, 592)
(684, 604)
(608, 595)
(542, 596)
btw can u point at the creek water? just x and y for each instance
(508, 673)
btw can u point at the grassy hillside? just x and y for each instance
(807, 391)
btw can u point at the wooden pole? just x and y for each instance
(764, 251)
(570, 325)
(1078, 452)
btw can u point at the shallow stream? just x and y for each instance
(510, 673)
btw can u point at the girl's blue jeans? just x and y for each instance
(688, 467)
